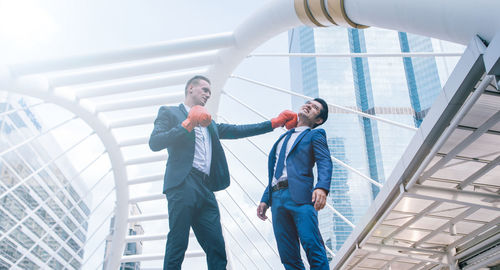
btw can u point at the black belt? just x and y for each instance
(200, 174)
(280, 185)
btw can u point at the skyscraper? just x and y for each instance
(394, 88)
(131, 248)
(43, 215)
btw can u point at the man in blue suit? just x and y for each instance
(290, 192)
(197, 167)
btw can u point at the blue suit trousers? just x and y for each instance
(192, 204)
(291, 222)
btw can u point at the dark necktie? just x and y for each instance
(281, 158)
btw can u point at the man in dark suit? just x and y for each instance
(197, 167)
(290, 192)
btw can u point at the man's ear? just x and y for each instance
(318, 121)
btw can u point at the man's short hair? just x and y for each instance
(195, 81)
(323, 114)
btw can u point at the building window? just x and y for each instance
(71, 225)
(73, 245)
(48, 180)
(23, 193)
(30, 156)
(80, 236)
(31, 224)
(41, 253)
(20, 167)
(54, 264)
(9, 250)
(17, 120)
(28, 264)
(65, 200)
(5, 221)
(22, 238)
(4, 264)
(7, 177)
(45, 217)
(84, 208)
(58, 174)
(15, 208)
(76, 264)
(39, 190)
(73, 193)
(61, 232)
(51, 242)
(85, 225)
(65, 254)
(55, 207)
(77, 215)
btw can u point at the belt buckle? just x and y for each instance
(204, 178)
(280, 185)
(202, 175)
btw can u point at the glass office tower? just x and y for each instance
(394, 88)
(43, 213)
(131, 248)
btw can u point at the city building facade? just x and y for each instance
(131, 248)
(43, 203)
(401, 89)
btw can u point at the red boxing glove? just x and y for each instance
(282, 118)
(198, 115)
(292, 123)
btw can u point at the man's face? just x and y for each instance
(310, 112)
(200, 93)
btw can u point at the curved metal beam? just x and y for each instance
(456, 21)
(426, 17)
(38, 87)
(272, 19)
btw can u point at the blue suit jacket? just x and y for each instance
(310, 147)
(168, 133)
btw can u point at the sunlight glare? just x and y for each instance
(24, 22)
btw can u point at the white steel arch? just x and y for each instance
(25, 86)
(30, 79)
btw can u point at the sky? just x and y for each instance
(31, 29)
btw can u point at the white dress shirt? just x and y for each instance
(202, 147)
(291, 141)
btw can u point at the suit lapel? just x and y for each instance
(212, 129)
(183, 109)
(301, 135)
(185, 114)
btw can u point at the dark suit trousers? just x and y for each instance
(192, 204)
(291, 222)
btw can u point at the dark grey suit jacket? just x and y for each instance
(168, 133)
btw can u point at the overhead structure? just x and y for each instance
(446, 20)
(116, 90)
(440, 208)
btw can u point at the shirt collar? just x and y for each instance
(186, 107)
(301, 128)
